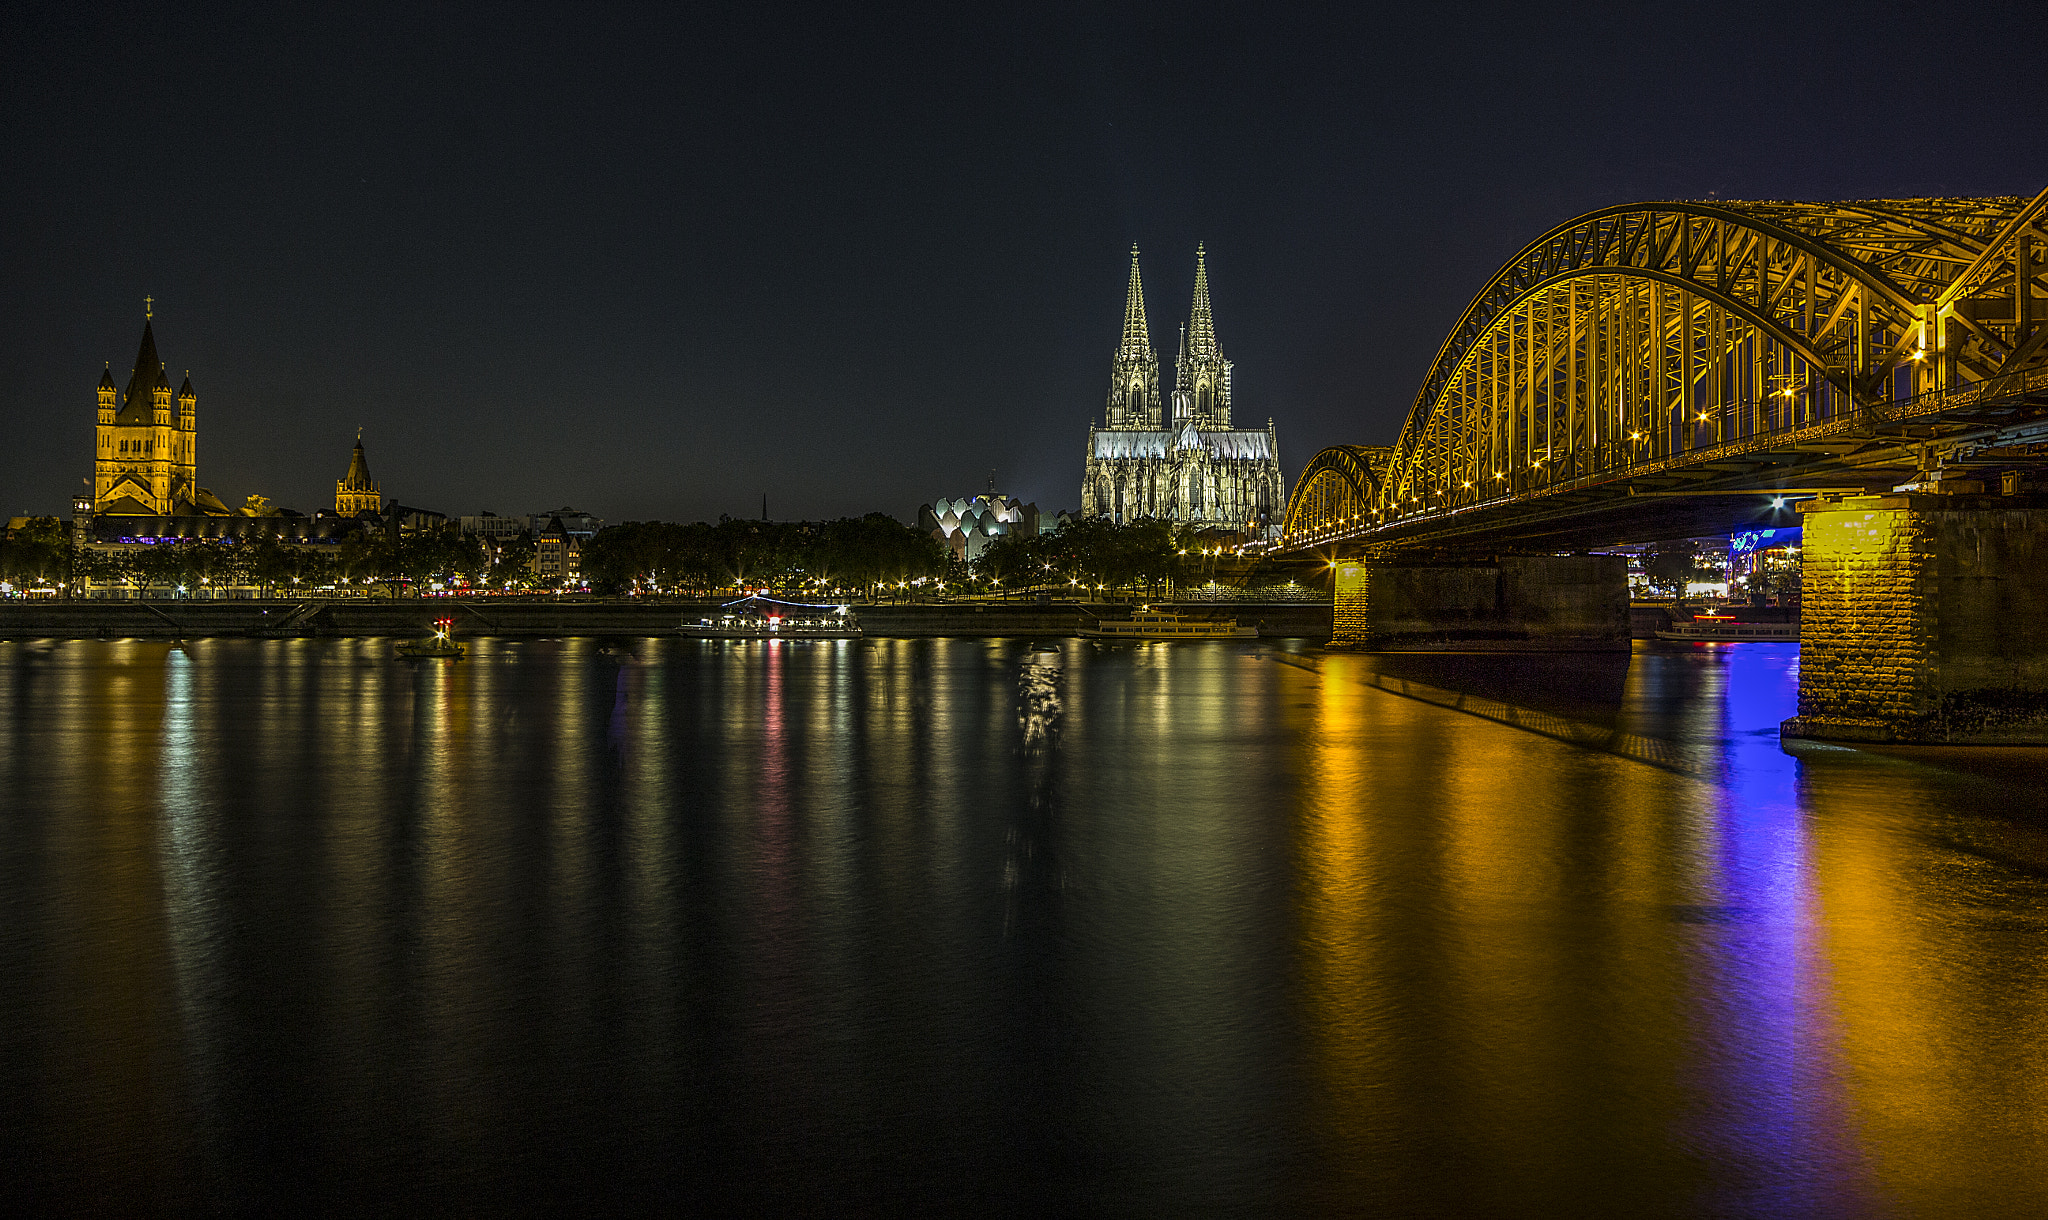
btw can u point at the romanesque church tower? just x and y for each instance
(146, 451)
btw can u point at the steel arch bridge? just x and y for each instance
(1717, 343)
(1340, 484)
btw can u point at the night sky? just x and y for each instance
(654, 262)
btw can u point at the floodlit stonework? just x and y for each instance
(356, 492)
(1179, 459)
(1920, 619)
(146, 450)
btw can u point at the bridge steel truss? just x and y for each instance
(1654, 337)
(1339, 486)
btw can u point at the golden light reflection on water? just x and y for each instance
(1935, 985)
(1233, 927)
(1592, 956)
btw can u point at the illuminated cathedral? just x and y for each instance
(1176, 457)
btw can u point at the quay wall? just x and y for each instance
(363, 617)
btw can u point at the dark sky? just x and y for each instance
(655, 261)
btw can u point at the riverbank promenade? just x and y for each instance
(291, 618)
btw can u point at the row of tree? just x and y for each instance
(1140, 554)
(873, 555)
(861, 556)
(40, 553)
(852, 555)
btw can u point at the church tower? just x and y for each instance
(356, 492)
(185, 447)
(1134, 373)
(1201, 372)
(144, 452)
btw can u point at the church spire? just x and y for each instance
(1137, 338)
(138, 403)
(356, 492)
(1201, 372)
(1134, 373)
(1202, 326)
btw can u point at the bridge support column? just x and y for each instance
(1921, 620)
(1514, 603)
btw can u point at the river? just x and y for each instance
(1209, 928)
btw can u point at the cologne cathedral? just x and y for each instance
(1176, 457)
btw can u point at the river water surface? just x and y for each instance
(842, 926)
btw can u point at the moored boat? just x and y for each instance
(765, 618)
(1149, 624)
(435, 646)
(1724, 629)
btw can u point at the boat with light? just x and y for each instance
(1724, 629)
(1148, 624)
(765, 618)
(435, 647)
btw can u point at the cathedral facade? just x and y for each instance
(1175, 455)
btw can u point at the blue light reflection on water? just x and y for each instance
(1777, 1106)
(1137, 926)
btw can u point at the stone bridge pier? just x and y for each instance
(1924, 618)
(1507, 603)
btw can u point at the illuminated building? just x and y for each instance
(356, 492)
(967, 525)
(557, 553)
(1179, 460)
(577, 523)
(146, 452)
(498, 530)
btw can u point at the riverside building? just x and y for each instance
(967, 525)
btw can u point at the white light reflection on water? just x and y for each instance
(1177, 927)
(195, 887)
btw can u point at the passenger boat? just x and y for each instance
(1723, 629)
(435, 646)
(765, 618)
(1150, 624)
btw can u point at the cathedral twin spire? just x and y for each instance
(1134, 372)
(1137, 338)
(1201, 374)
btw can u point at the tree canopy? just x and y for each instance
(852, 553)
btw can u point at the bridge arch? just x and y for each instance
(1339, 485)
(1638, 335)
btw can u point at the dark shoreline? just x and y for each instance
(289, 619)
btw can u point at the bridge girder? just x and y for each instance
(1639, 338)
(1342, 483)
